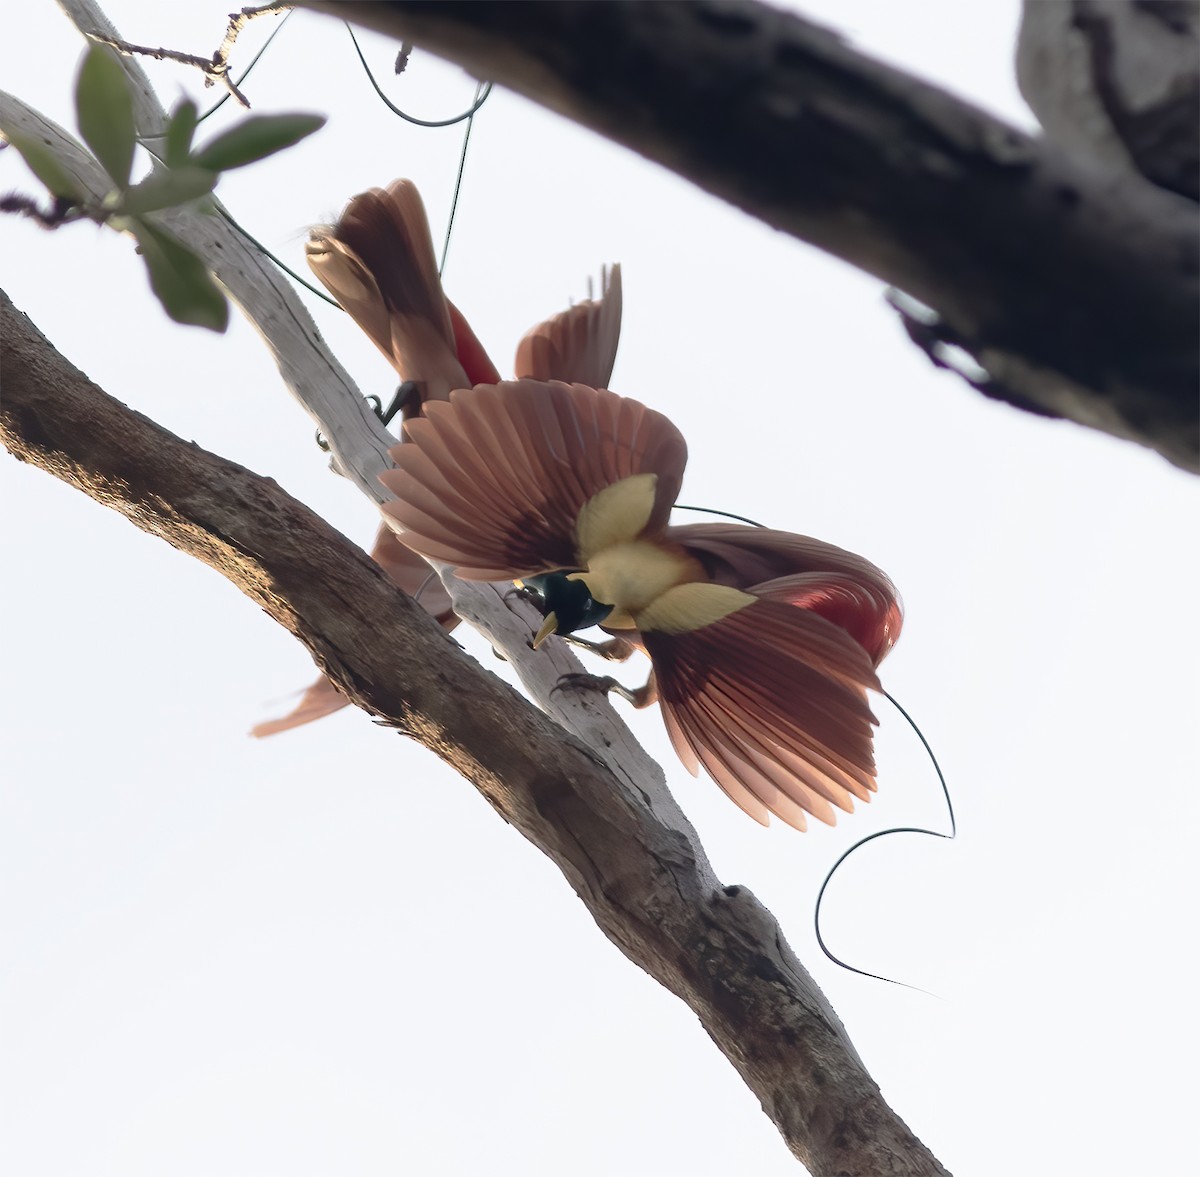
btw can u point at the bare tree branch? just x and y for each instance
(649, 888)
(1076, 290)
(212, 70)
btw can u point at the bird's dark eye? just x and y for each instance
(569, 600)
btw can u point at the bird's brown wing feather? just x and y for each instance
(320, 699)
(772, 701)
(579, 345)
(494, 482)
(847, 589)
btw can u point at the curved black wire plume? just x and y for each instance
(480, 98)
(714, 511)
(482, 90)
(878, 833)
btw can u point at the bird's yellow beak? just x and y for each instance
(549, 625)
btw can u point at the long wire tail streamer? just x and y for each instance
(878, 833)
(458, 179)
(883, 834)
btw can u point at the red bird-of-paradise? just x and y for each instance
(763, 644)
(377, 260)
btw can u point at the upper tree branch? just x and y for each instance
(1076, 290)
(649, 888)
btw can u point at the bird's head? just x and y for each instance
(566, 604)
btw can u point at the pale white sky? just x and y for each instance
(323, 953)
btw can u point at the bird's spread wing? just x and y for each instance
(497, 480)
(378, 262)
(847, 589)
(770, 699)
(579, 345)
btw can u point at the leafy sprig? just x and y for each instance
(181, 174)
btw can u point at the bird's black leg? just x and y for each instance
(402, 395)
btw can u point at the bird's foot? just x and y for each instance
(639, 697)
(403, 395)
(613, 650)
(522, 593)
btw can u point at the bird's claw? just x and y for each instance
(612, 650)
(522, 592)
(592, 682)
(402, 396)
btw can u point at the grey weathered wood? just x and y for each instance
(1117, 82)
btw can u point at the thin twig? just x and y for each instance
(60, 211)
(237, 22)
(250, 68)
(213, 71)
(215, 68)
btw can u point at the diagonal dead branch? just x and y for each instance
(647, 885)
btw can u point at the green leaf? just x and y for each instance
(256, 138)
(166, 188)
(43, 163)
(179, 134)
(180, 279)
(104, 111)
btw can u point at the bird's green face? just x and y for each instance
(566, 604)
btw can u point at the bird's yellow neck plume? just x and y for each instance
(630, 576)
(617, 515)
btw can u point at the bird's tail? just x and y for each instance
(378, 262)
